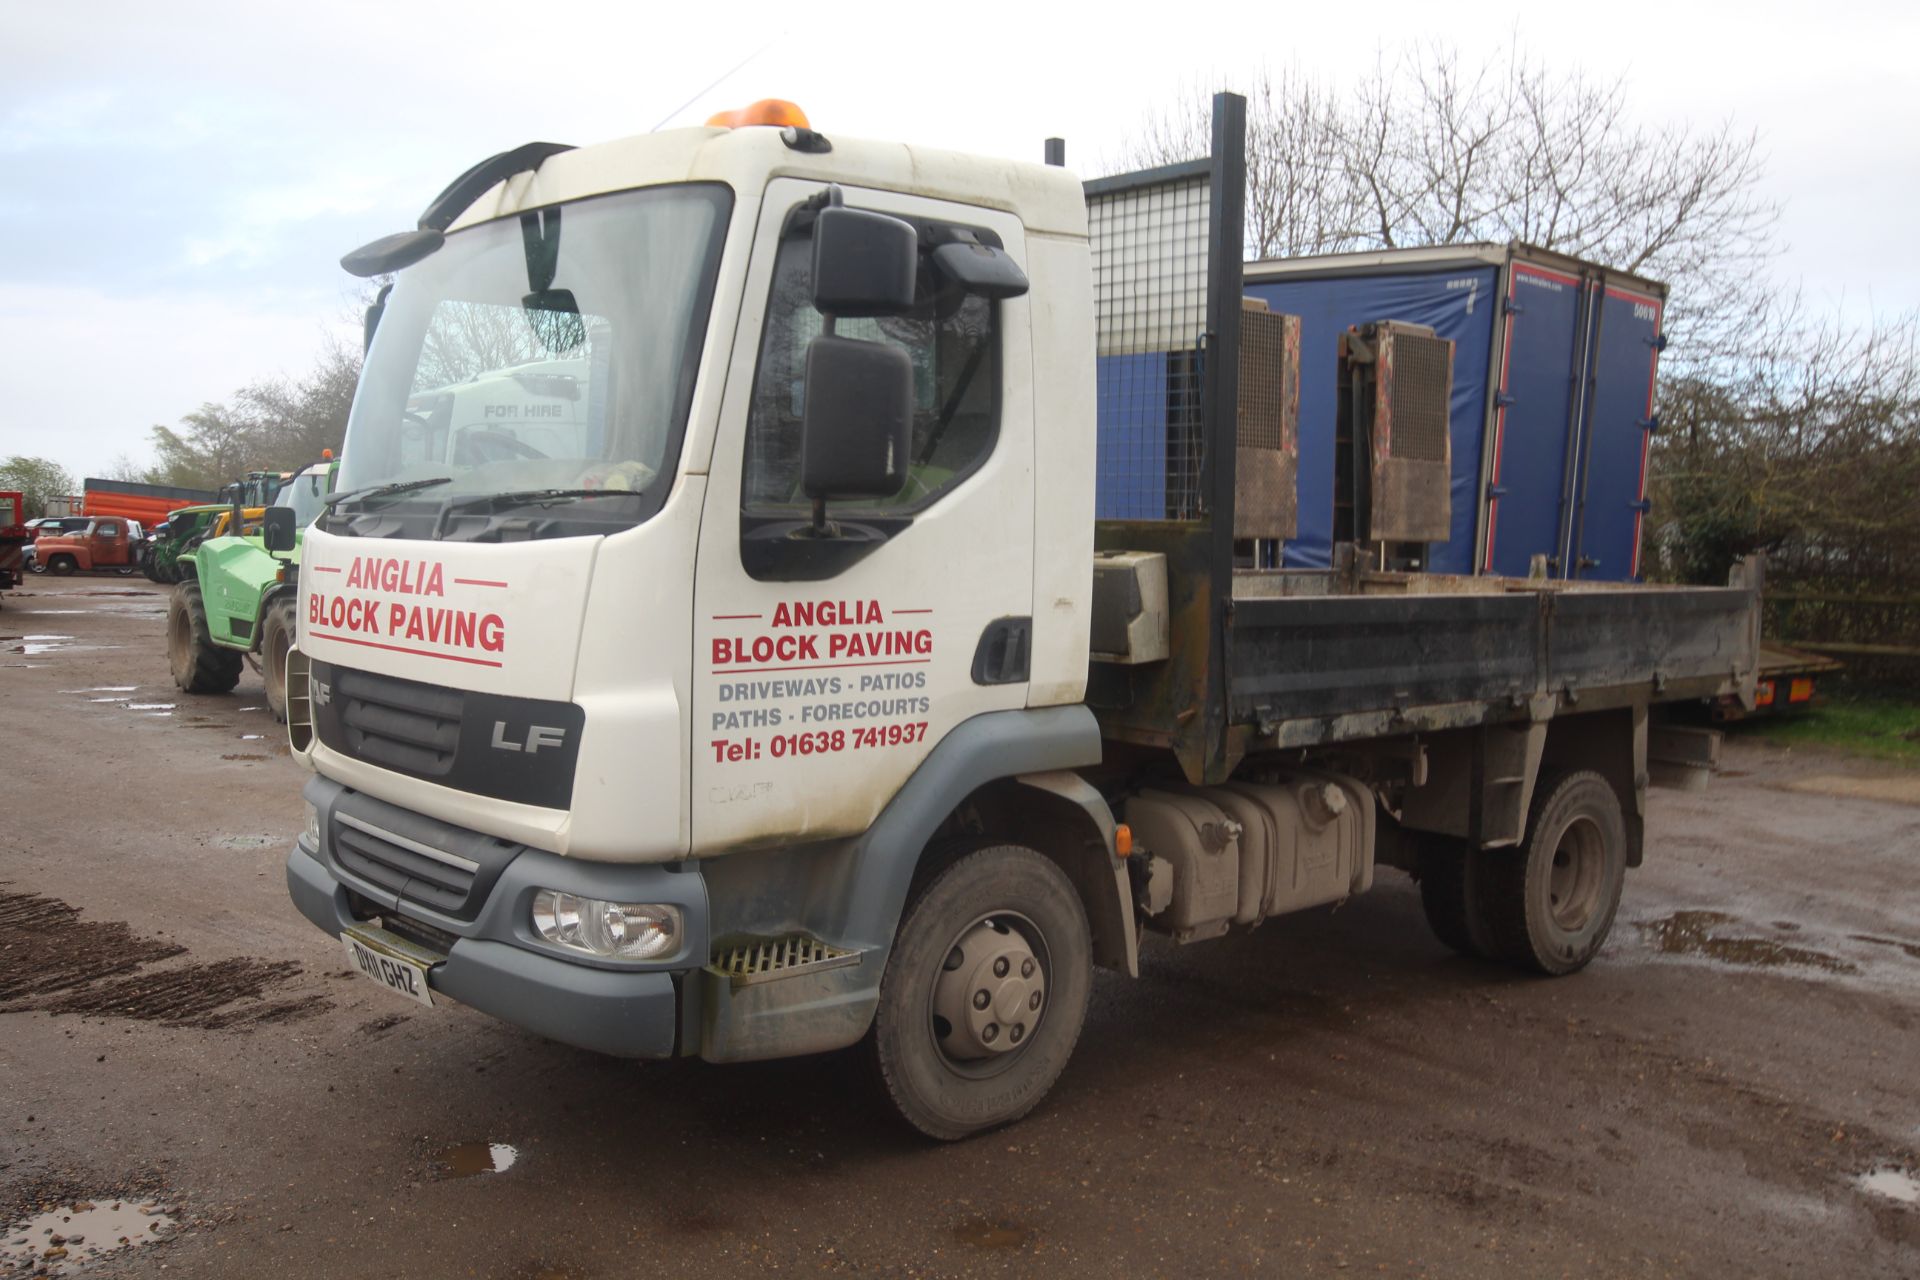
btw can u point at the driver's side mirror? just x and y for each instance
(855, 425)
(277, 529)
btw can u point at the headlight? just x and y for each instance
(618, 930)
(313, 826)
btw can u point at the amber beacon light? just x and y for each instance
(774, 111)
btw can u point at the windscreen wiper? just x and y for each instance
(383, 490)
(519, 498)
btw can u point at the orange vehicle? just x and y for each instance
(131, 500)
(108, 542)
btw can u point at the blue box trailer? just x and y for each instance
(1552, 408)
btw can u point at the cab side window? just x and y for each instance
(950, 336)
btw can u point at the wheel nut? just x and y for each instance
(1019, 1030)
(1033, 1001)
(981, 999)
(990, 1032)
(1000, 967)
(1026, 968)
(955, 958)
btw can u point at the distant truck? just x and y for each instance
(14, 537)
(147, 503)
(105, 543)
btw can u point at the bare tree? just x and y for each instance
(1430, 149)
(275, 424)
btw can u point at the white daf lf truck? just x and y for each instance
(798, 699)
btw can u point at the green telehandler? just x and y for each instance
(187, 527)
(234, 601)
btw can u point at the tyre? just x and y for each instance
(1549, 905)
(984, 994)
(1448, 869)
(276, 637)
(199, 665)
(62, 565)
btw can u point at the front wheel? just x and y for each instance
(63, 565)
(984, 993)
(276, 638)
(198, 664)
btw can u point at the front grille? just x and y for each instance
(418, 932)
(401, 724)
(409, 870)
(460, 738)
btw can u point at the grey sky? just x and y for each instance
(183, 178)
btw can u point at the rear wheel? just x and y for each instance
(276, 638)
(62, 565)
(1448, 870)
(1549, 905)
(199, 665)
(984, 993)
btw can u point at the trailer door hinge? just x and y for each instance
(1651, 424)
(1658, 342)
(1496, 491)
(1502, 399)
(1512, 307)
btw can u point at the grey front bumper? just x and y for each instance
(496, 964)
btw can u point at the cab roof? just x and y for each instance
(1047, 199)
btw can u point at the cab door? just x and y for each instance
(826, 669)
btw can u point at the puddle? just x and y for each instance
(984, 1233)
(122, 698)
(470, 1159)
(253, 708)
(1894, 1184)
(240, 755)
(247, 842)
(150, 706)
(64, 1240)
(106, 688)
(253, 737)
(34, 646)
(1702, 933)
(1911, 948)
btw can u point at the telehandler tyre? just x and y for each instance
(199, 665)
(276, 637)
(984, 993)
(1549, 905)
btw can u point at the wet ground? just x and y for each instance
(1733, 1088)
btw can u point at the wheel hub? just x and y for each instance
(991, 994)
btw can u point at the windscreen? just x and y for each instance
(305, 493)
(550, 351)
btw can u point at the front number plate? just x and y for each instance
(391, 972)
